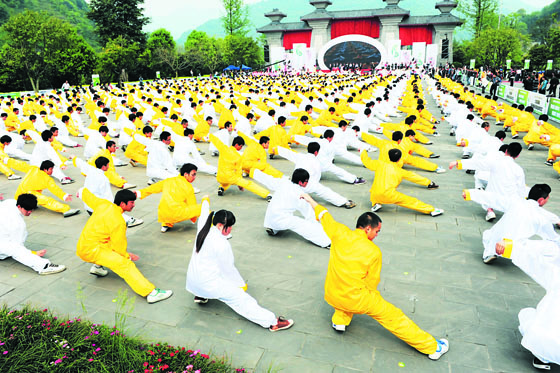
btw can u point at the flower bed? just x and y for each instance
(36, 340)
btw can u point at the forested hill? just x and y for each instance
(72, 11)
(538, 23)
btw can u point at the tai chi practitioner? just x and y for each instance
(38, 179)
(13, 233)
(255, 156)
(160, 164)
(506, 177)
(310, 163)
(226, 135)
(230, 171)
(98, 183)
(103, 243)
(212, 274)
(539, 326)
(388, 176)
(522, 219)
(178, 201)
(96, 140)
(111, 173)
(285, 201)
(44, 151)
(186, 152)
(353, 275)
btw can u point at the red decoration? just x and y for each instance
(368, 27)
(415, 34)
(291, 37)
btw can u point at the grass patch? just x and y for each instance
(33, 340)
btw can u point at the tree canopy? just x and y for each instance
(119, 18)
(236, 20)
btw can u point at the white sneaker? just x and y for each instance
(490, 215)
(134, 222)
(229, 237)
(530, 147)
(71, 212)
(152, 181)
(440, 170)
(196, 190)
(98, 270)
(128, 186)
(158, 295)
(376, 207)
(442, 348)
(67, 180)
(436, 212)
(489, 259)
(164, 228)
(339, 328)
(14, 177)
(51, 269)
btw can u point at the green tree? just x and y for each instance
(539, 54)
(119, 18)
(204, 53)
(44, 49)
(236, 20)
(118, 55)
(493, 47)
(480, 14)
(160, 43)
(242, 50)
(554, 43)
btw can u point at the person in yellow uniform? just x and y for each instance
(230, 170)
(388, 176)
(353, 275)
(178, 202)
(254, 157)
(39, 178)
(111, 173)
(277, 135)
(542, 133)
(523, 123)
(7, 163)
(135, 151)
(103, 243)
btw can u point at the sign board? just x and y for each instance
(419, 53)
(432, 54)
(502, 91)
(538, 102)
(298, 52)
(554, 109)
(523, 97)
(527, 64)
(511, 94)
(95, 79)
(549, 64)
(471, 66)
(158, 75)
(508, 64)
(394, 47)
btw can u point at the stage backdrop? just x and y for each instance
(352, 49)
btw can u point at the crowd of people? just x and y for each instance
(319, 122)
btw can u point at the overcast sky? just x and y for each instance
(178, 16)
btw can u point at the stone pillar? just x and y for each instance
(320, 34)
(389, 29)
(440, 32)
(274, 39)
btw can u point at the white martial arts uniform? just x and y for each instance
(522, 219)
(186, 152)
(95, 142)
(540, 326)
(212, 274)
(160, 164)
(285, 201)
(44, 151)
(13, 233)
(311, 164)
(225, 136)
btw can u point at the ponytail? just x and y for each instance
(204, 232)
(222, 216)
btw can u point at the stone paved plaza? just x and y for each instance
(432, 270)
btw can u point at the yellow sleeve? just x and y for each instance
(55, 189)
(367, 161)
(92, 200)
(265, 132)
(152, 189)
(414, 177)
(372, 140)
(330, 226)
(222, 148)
(508, 249)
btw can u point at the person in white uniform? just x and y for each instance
(523, 218)
(186, 152)
(43, 151)
(540, 326)
(285, 201)
(160, 164)
(13, 233)
(212, 274)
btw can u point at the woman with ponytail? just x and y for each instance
(212, 273)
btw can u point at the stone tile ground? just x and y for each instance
(432, 270)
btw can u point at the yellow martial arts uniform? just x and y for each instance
(230, 171)
(536, 130)
(388, 176)
(103, 242)
(7, 164)
(178, 202)
(278, 137)
(255, 157)
(136, 151)
(353, 275)
(111, 173)
(34, 182)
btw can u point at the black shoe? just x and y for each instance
(270, 232)
(271, 156)
(434, 155)
(359, 180)
(465, 156)
(540, 364)
(221, 191)
(433, 185)
(470, 172)
(200, 300)
(549, 162)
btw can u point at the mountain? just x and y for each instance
(72, 11)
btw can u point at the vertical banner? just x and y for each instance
(310, 59)
(95, 79)
(158, 75)
(419, 53)
(527, 64)
(471, 66)
(502, 91)
(432, 54)
(277, 54)
(554, 109)
(508, 64)
(406, 57)
(549, 64)
(394, 47)
(298, 52)
(523, 97)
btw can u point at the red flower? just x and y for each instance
(171, 354)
